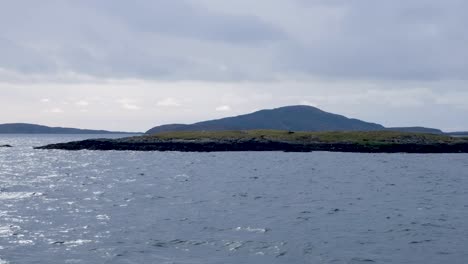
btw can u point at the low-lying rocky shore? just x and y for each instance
(365, 142)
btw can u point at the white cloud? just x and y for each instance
(128, 104)
(82, 103)
(169, 101)
(223, 108)
(55, 110)
(114, 105)
(45, 100)
(306, 102)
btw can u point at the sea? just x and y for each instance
(229, 207)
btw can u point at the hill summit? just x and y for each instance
(294, 118)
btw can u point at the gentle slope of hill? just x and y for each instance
(21, 128)
(416, 130)
(294, 118)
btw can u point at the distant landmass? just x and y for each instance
(292, 118)
(462, 133)
(292, 128)
(416, 130)
(289, 118)
(22, 128)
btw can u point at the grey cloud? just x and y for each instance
(22, 59)
(212, 41)
(169, 40)
(397, 40)
(188, 20)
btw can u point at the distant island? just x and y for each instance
(274, 140)
(293, 128)
(459, 134)
(22, 128)
(291, 118)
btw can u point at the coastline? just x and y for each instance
(359, 142)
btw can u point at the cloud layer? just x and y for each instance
(137, 105)
(129, 65)
(236, 40)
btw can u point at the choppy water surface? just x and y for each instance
(249, 207)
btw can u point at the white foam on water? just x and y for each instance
(234, 245)
(78, 242)
(25, 242)
(102, 217)
(251, 229)
(181, 177)
(17, 195)
(8, 230)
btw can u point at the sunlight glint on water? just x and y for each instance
(272, 207)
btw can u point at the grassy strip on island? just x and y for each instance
(275, 140)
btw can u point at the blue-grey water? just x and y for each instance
(247, 207)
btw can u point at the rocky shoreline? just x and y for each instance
(132, 144)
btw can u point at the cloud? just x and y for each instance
(306, 102)
(45, 100)
(163, 17)
(82, 103)
(223, 108)
(128, 104)
(169, 101)
(360, 58)
(400, 40)
(114, 105)
(235, 41)
(142, 39)
(55, 110)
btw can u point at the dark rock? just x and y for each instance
(6, 146)
(219, 146)
(412, 144)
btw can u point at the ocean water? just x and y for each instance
(246, 207)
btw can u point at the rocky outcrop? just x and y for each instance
(253, 145)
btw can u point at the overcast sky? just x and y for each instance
(131, 65)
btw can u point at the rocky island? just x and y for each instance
(275, 140)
